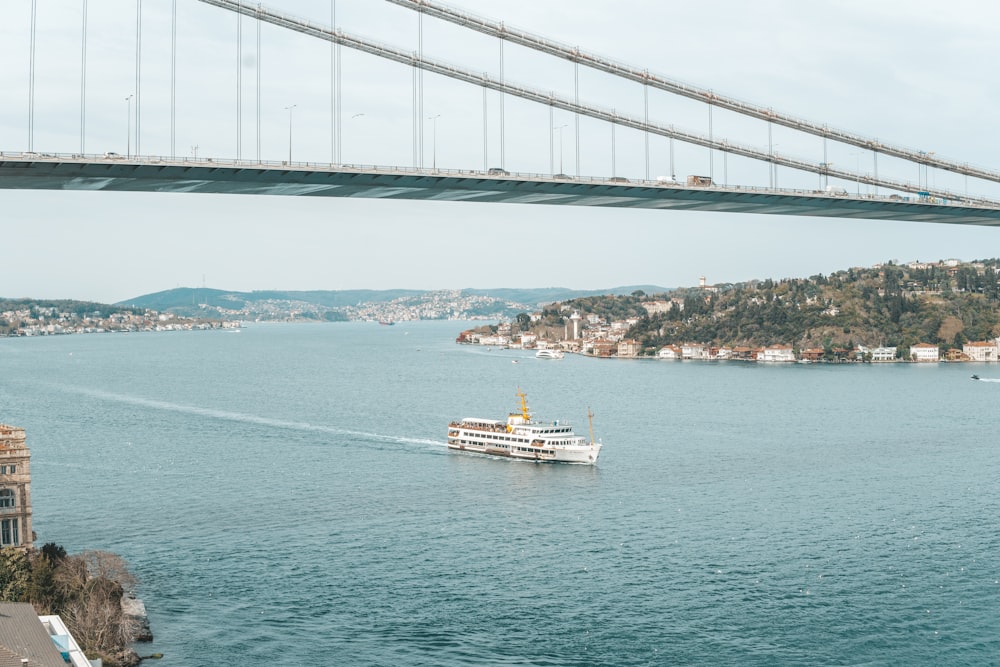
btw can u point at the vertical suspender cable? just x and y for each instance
(138, 74)
(503, 146)
(340, 105)
(770, 152)
(173, 79)
(420, 94)
(260, 64)
(83, 81)
(485, 132)
(711, 152)
(673, 172)
(239, 81)
(31, 81)
(645, 100)
(875, 157)
(576, 101)
(826, 165)
(333, 84)
(552, 150)
(413, 120)
(614, 171)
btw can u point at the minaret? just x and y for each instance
(575, 317)
(15, 489)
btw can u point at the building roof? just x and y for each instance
(22, 636)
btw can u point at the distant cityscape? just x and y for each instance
(32, 319)
(53, 321)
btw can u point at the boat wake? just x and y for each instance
(242, 417)
(987, 379)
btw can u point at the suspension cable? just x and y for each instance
(574, 54)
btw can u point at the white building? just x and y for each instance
(981, 350)
(655, 307)
(924, 352)
(669, 352)
(693, 351)
(777, 353)
(884, 354)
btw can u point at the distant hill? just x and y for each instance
(196, 300)
(543, 295)
(188, 297)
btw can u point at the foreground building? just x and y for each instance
(15, 488)
(29, 640)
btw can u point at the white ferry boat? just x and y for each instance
(548, 353)
(521, 437)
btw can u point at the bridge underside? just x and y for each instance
(146, 175)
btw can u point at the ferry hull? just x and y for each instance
(587, 454)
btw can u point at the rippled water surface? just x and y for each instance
(285, 496)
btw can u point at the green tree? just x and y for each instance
(15, 574)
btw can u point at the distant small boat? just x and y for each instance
(386, 323)
(975, 377)
(513, 361)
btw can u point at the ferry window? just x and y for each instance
(6, 497)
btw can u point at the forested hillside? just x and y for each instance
(944, 303)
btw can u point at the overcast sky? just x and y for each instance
(919, 74)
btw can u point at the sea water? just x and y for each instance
(285, 497)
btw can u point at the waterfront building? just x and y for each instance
(884, 354)
(984, 350)
(777, 353)
(605, 348)
(15, 488)
(924, 352)
(669, 352)
(629, 348)
(693, 351)
(812, 354)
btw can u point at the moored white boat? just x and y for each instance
(522, 437)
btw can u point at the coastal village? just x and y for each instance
(53, 321)
(607, 340)
(596, 335)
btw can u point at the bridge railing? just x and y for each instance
(491, 174)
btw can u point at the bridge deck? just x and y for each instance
(43, 172)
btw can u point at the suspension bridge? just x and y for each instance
(496, 177)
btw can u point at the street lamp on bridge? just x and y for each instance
(560, 129)
(289, 110)
(128, 131)
(434, 140)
